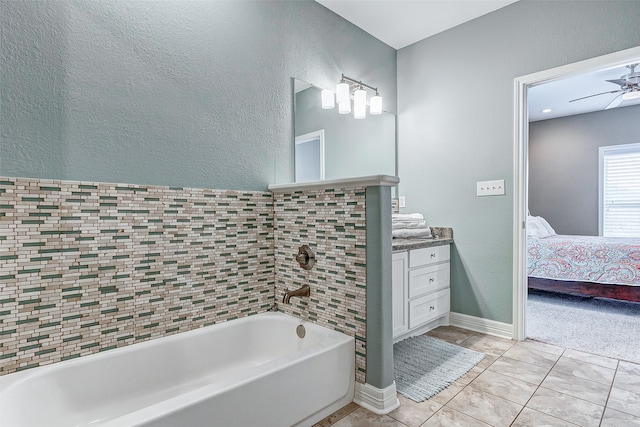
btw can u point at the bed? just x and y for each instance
(607, 267)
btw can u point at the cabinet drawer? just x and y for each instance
(425, 256)
(427, 308)
(428, 279)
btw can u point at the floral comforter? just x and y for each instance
(610, 260)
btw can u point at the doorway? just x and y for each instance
(309, 157)
(521, 149)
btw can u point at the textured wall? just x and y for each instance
(178, 92)
(332, 222)
(88, 266)
(563, 165)
(455, 126)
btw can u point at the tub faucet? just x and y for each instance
(304, 291)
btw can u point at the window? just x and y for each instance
(620, 191)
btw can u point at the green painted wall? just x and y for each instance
(182, 93)
(456, 121)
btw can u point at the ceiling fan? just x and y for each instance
(629, 88)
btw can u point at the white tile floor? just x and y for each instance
(518, 384)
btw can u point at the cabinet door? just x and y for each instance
(400, 291)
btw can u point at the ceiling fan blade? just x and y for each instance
(619, 82)
(597, 94)
(616, 101)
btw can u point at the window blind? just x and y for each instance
(621, 191)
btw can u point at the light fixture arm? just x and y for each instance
(358, 82)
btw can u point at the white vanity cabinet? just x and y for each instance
(420, 281)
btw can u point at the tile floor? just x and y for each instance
(518, 384)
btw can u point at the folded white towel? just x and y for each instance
(414, 220)
(407, 217)
(409, 224)
(411, 233)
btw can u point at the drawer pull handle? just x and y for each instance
(431, 279)
(432, 308)
(433, 255)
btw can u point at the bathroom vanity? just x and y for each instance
(420, 282)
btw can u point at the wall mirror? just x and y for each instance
(351, 147)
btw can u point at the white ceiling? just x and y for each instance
(400, 23)
(556, 95)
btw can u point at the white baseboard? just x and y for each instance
(376, 400)
(478, 324)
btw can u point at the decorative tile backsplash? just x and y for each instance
(87, 267)
(332, 222)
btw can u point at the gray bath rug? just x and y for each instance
(424, 366)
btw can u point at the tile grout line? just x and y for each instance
(470, 382)
(606, 402)
(538, 388)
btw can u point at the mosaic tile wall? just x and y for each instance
(332, 222)
(87, 267)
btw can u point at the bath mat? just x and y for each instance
(424, 366)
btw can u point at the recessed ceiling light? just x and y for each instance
(546, 110)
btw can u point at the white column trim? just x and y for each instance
(376, 400)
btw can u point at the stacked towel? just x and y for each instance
(414, 220)
(407, 226)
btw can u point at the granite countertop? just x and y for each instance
(441, 236)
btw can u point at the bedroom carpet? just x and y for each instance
(593, 325)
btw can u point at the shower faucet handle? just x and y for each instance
(306, 258)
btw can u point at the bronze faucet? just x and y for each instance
(304, 291)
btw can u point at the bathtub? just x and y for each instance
(254, 371)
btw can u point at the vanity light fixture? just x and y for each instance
(342, 93)
(344, 107)
(328, 101)
(375, 104)
(344, 89)
(360, 103)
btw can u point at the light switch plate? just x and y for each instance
(402, 202)
(490, 188)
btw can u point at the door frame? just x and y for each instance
(307, 138)
(521, 165)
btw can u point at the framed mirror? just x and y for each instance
(352, 147)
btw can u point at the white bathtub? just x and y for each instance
(253, 371)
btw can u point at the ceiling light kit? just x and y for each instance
(344, 90)
(628, 96)
(629, 88)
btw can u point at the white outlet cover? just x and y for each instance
(490, 188)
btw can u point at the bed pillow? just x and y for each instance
(534, 228)
(538, 227)
(550, 231)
